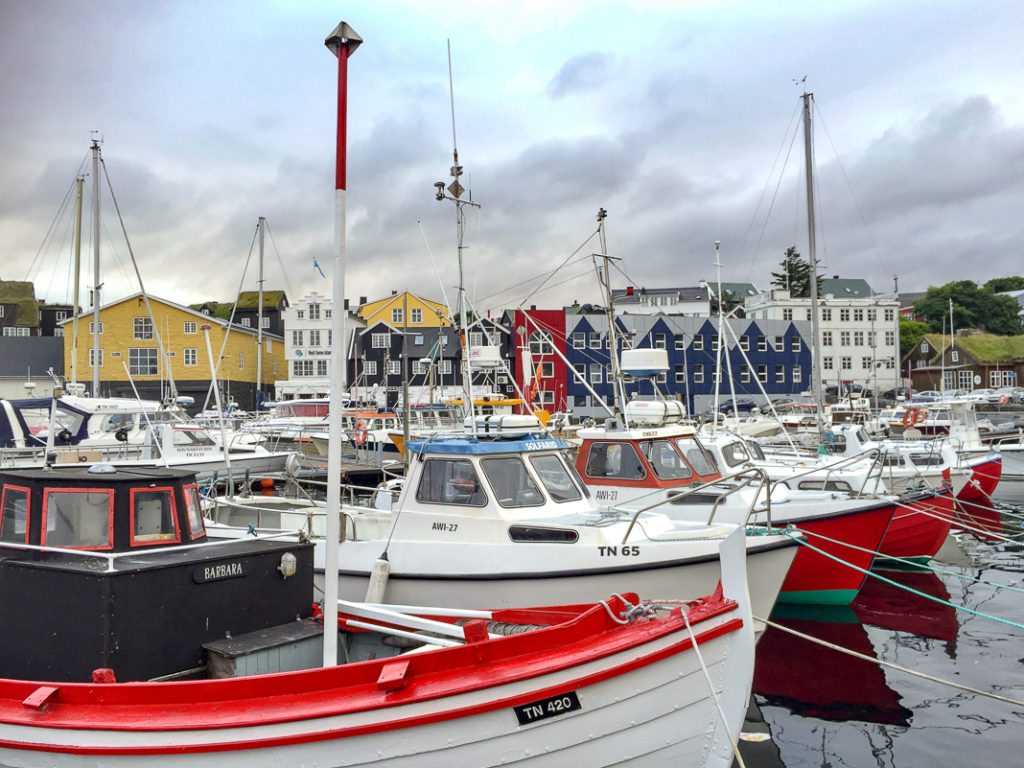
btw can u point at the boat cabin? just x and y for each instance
(105, 568)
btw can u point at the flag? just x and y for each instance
(315, 264)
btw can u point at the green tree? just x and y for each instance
(911, 332)
(729, 302)
(795, 275)
(973, 307)
(1001, 284)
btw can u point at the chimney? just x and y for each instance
(629, 290)
(346, 304)
(394, 293)
(835, 277)
(362, 300)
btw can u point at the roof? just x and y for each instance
(23, 294)
(250, 299)
(846, 288)
(987, 348)
(740, 290)
(469, 445)
(633, 295)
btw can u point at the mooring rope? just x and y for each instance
(897, 667)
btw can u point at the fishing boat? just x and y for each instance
(659, 463)
(141, 641)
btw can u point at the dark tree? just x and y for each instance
(795, 275)
(973, 307)
(1001, 284)
(911, 332)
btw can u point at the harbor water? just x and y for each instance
(824, 707)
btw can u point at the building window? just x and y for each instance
(245, 322)
(762, 343)
(826, 338)
(954, 356)
(827, 364)
(380, 340)
(924, 347)
(889, 315)
(659, 341)
(787, 314)
(872, 315)
(780, 374)
(58, 315)
(143, 361)
(865, 363)
(797, 374)
(744, 374)
(370, 367)
(92, 327)
(1, 310)
(296, 338)
(93, 358)
(595, 373)
(476, 339)
(858, 315)
(581, 371)
(858, 338)
(547, 370)
(871, 338)
(579, 340)
(269, 346)
(327, 314)
(300, 314)
(191, 326)
(321, 367)
(191, 356)
(890, 338)
(416, 316)
(762, 373)
(844, 338)
(844, 315)
(796, 346)
(58, 331)
(826, 314)
(142, 328)
(846, 363)
(15, 330)
(394, 367)
(698, 343)
(698, 373)
(680, 374)
(540, 344)
(714, 342)
(314, 337)
(397, 316)
(745, 343)
(241, 360)
(302, 368)
(314, 311)
(264, 322)
(595, 340)
(446, 367)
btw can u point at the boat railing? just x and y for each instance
(744, 478)
(833, 467)
(112, 558)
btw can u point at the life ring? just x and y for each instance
(1004, 399)
(912, 417)
(360, 436)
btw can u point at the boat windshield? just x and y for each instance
(186, 438)
(78, 519)
(14, 515)
(154, 518)
(617, 460)
(555, 478)
(511, 483)
(450, 481)
(697, 457)
(195, 511)
(665, 461)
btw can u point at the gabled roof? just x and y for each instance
(635, 295)
(22, 293)
(740, 290)
(251, 299)
(988, 348)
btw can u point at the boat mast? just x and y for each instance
(605, 278)
(812, 258)
(455, 190)
(259, 321)
(79, 182)
(96, 268)
(342, 42)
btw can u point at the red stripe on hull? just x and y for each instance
(813, 571)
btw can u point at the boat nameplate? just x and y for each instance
(218, 572)
(552, 706)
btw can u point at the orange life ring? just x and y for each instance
(1004, 399)
(360, 436)
(912, 417)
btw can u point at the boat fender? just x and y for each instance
(121, 435)
(378, 580)
(64, 436)
(360, 435)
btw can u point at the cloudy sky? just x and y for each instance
(681, 119)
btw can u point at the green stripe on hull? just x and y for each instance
(819, 597)
(904, 563)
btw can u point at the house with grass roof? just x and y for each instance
(969, 360)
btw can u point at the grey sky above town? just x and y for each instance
(681, 119)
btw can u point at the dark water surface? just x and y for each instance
(825, 708)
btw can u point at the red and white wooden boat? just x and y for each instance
(136, 636)
(919, 528)
(660, 463)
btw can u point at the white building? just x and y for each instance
(858, 331)
(693, 300)
(308, 341)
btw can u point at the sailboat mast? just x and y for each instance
(79, 182)
(619, 386)
(96, 268)
(259, 321)
(813, 259)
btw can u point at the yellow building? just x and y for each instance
(423, 313)
(129, 353)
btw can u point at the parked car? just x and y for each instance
(898, 393)
(979, 395)
(926, 396)
(1006, 395)
(743, 406)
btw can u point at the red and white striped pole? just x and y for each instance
(342, 42)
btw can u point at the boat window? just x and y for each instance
(532, 534)
(756, 451)
(511, 483)
(618, 460)
(14, 515)
(191, 437)
(37, 420)
(926, 459)
(735, 453)
(78, 519)
(825, 485)
(116, 421)
(665, 461)
(194, 510)
(705, 499)
(576, 475)
(892, 460)
(154, 517)
(552, 473)
(450, 481)
(696, 456)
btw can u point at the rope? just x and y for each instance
(901, 586)
(897, 667)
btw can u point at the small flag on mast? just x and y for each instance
(317, 265)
